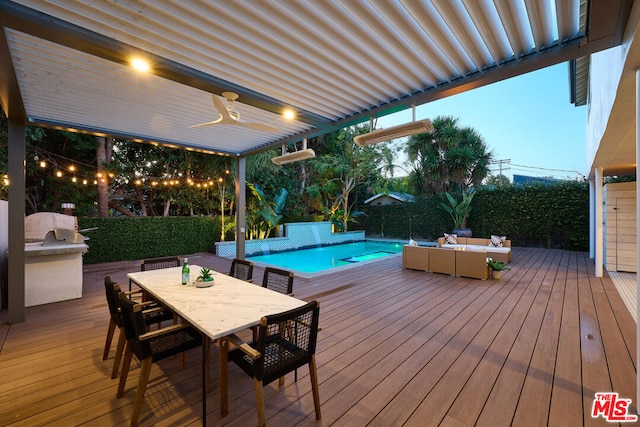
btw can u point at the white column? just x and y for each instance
(598, 223)
(592, 219)
(637, 238)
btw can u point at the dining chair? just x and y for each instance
(154, 313)
(286, 342)
(242, 269)
(149, 347)
(278, 280)
(157, 263)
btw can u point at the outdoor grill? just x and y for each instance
(53, 258)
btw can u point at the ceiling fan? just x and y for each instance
(229, 116)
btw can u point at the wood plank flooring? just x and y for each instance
(397, 347)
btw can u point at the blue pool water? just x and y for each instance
(323, 258)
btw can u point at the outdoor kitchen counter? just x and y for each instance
(53, 272)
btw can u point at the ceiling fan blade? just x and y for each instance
(221, 107)
(259, 126)
(215, 122)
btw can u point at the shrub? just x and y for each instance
(551, 216)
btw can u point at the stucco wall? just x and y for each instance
(604, 77)
(611, 99)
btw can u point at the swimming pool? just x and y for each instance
(319, 259)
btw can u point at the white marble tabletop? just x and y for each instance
(230, 305)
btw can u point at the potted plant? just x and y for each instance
(459, 212)
(496, 268)
(205, 275)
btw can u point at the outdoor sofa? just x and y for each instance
(455, 262)
(476, 244)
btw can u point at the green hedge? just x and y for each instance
(118, 239)
(552, 216)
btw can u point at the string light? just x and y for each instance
(103, 177)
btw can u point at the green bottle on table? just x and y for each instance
(185, 271)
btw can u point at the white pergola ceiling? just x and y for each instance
(65, 63)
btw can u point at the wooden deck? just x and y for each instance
(397, 347)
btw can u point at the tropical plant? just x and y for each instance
(459, 210)
(449, 158)
(346, 168)
(205, 275)
(497, 265)
(265, 215)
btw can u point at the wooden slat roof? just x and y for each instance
(65, 63)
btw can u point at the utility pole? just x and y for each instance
(501, 163)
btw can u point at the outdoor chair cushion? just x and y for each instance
(497, 241)
(451, 239)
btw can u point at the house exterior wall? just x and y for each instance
(605, 72)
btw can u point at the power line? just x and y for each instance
(501, 163)
(547, 169)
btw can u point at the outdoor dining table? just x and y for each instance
(228, 306)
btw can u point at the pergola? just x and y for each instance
(66, 64)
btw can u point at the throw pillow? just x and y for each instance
(497, 241)
(451, 239)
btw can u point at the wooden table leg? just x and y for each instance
(223, 366)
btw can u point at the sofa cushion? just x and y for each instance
(451, 239)
(498, 250)
(497, 241)
(470, 248)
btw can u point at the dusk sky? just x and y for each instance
(526, 119)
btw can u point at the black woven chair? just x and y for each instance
(242, 269)
(157, 263)
(286, 341)
(154, 313)
(149, 347)
(278, 280)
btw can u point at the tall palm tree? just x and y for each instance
(449, 158)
